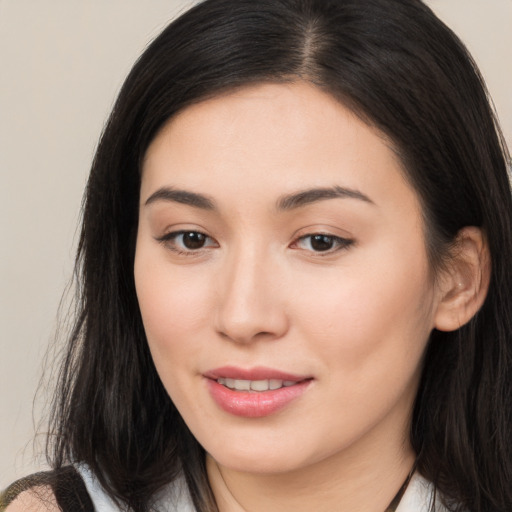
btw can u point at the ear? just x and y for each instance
(463, 285)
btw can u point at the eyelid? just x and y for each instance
(168, 240)
(341, 242)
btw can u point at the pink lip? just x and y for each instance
(251, 404)
(256, 373)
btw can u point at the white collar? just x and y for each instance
(418, 496)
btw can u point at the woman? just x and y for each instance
(294, 267)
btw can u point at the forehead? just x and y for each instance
(271, 138)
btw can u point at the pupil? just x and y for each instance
(321, 242)
(193, 240)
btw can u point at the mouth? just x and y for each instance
(254, 393)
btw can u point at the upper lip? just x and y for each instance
(256, 373)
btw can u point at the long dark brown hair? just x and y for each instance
(401, 70)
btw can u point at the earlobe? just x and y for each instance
(463, 287)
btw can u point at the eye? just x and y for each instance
(187, 241)
(320, 242)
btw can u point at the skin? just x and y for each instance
(38, 499)
(356, 318)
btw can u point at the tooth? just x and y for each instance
(254, 385)
(275, 384)
(242, 385)
(259, 385)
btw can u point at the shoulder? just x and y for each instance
(37, 499)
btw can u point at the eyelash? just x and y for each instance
(169, 240)
(339, 243)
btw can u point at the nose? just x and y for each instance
(250, 304)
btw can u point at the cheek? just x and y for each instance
(371, 313)
(173, 305)
(369, 333)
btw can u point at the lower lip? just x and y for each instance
(255, 404)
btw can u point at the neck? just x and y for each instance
(361, 481)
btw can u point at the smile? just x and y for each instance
(255, 385)
(254, 393)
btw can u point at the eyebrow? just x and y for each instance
(285, 203)
(181, 196)
(305, 197)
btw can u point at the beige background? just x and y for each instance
(61, 64)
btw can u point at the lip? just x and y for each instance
(256, 373)
(250, 404)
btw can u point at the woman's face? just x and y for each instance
(283, 280)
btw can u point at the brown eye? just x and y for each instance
(187, 242)
(322, 242)
(193, 240)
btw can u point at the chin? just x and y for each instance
(260, 463)
(277, 455)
